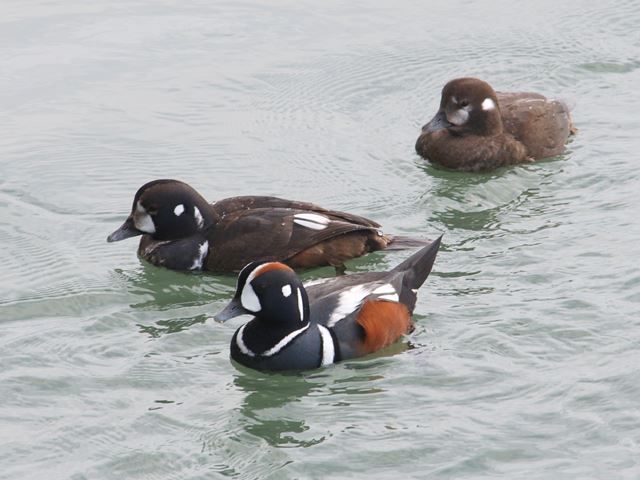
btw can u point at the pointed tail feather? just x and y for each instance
(418, 266)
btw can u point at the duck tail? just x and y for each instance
(418, 266)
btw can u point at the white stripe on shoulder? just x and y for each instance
(328, 350)
(284, 342)
(240, 343)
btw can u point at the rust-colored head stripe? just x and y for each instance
(270, 266)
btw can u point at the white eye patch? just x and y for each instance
(286, 290)
(488, 104)
(179, 210)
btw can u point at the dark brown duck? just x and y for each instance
(182, 231)
(478, 129)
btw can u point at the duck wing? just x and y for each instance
(272, 234)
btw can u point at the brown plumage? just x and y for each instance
(182, 231)
(478, 129)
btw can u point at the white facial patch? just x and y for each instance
(300, 305)
(311, 220)
(198, 215)
(328, 350)
(179, 210)
(142, 220)
(202, 253)
(249, 299)
(286, 291)
(488, 104)
(458, 117)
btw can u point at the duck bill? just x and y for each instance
(232, 310)
(438, 122)
(126, 230)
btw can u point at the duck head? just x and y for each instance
(468, 106)
(166, 210)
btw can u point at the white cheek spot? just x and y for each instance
(311, 220)
(488, 104)
(300, 305)
(198, 215)
(179, 210)
(286, 290)
(249, 299)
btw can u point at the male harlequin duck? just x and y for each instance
(478, 129)
(299, 327)
(182, 231)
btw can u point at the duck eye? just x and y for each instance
(152, 210)
(464, 103)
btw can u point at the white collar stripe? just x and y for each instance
(284, 342)
(240, 342)
(328, 349)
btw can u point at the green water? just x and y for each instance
(524, 362)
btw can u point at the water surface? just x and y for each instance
(524, 362)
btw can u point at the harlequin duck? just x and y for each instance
(182, 231)
(299, 327)
(478, 129)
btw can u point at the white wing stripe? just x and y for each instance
(311, 225)
(350, 300)
(312, 217)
